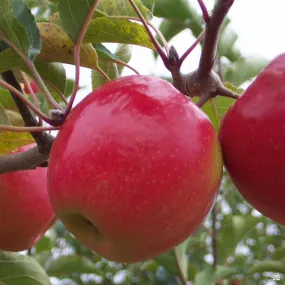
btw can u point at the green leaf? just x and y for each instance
(123, 53)
(117, 30)
(279, 253)
(217, 107)
(169, 262)
(44, 244)
(58, 47)
(11, 140)
(223, 272)
(73, 13)
(20, 269)
(244, 69)
(210, 275)
(26, 19)
(66, 265)
(226, 44)
(104, 53)
(4, 119)
(178, 11)
(53, 73)
(233, 230)
(207, 276)
(9, 60)
(169, 30)
(6, 100)
(12, 29)
(42, 257)
(122, 8)
(268, 266)
(18, 25)
(182, 258)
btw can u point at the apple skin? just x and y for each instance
(135, 169)
(252, 136)
(34, 87)
(25, 210)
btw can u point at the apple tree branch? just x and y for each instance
(35, 156)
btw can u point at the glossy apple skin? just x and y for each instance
(34, 87)
(135, 169)
(252, 136)
(25, 210)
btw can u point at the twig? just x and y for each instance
(124, 64)
(157, 31)
(214, 237)
(192, 47)
(181, 273)
(225, 92)
(205, 13)
(153, 39)
(31, 158)
(28, 159)
(204, 82)
(77, 49)
(26, 129)
(61, 95)
(213, 27)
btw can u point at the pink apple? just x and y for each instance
(34, 87)
(252, 136)
(135, 169)
(25, 210)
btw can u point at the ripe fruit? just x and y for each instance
(25, 210)
(34, 87)
(135, 169)
(252, 136)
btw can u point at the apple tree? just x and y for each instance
(146, 180)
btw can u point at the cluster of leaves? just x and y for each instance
(249, 247)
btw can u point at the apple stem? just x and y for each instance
(77, 49)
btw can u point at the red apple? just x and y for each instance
(135, 169)
(252, 136)
(25, 210)
(34, 87)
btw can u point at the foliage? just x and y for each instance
(250, 247)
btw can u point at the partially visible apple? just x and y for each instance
(34, 87)
(25, 210)
(252, 136)
(135, 169)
